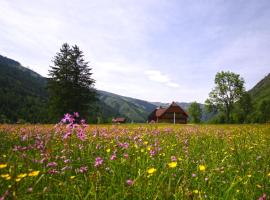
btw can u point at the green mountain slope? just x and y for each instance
(261, 91)
(133, 109)
(22, 93)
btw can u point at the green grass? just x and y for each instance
(235, 157)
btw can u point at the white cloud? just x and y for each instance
(157, 76)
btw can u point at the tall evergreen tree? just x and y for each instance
(70, 84)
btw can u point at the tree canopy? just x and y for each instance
(229, 89)
(195, 112)
(70, 86)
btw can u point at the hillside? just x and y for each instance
(22, 93)
(261, 91)
(133, 109)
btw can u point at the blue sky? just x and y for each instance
(156, 50)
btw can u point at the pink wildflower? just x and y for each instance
(173, 159)
(130, 182)
(113, 157)
(83, 169)
(98, 161)
(125, 155)
(52, 164)
(152, 152)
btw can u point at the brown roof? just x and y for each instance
(161, 111)
(119, 119)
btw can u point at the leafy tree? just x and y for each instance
(195, 112)
(229, 89)
(243, 109)
(264, 109)
(70, 84)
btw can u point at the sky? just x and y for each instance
(155, 50)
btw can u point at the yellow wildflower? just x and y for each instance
(33, 173)
(145, 143)
(202, 167)
(249, 175)
(196, 191)
(151, 170)
(108, 150)
(6, 176)
(3, 166)
(172, 164)
(268, 174)
(22, 175)
(18, 179)
(72, 177)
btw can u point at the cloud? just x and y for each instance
(157, 76)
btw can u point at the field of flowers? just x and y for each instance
(73, 160)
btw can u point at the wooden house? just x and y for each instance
(119, 120)
(173, 114)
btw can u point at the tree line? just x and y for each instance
(231, 103)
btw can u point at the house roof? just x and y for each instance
(119, 119)
(160, 111)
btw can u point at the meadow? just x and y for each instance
(136, 161)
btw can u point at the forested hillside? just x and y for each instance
(23, 94)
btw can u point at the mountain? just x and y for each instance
(133, 109)
(23, 94)
(261, 91)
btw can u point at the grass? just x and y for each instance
(186, 161)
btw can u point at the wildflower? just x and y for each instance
(263, 197)
(125, 155)
(108, 150)
(113, 157)
(30, 189)
(83, 169)
(151, 170)
(173, 159)
(34, 173)
(268, 174)
(18, 179)
(193, 175)
(72, 177)
(22, 175)
(130, 182)
(249, 175)
(2, 166)
(52, 164)
(152, 152)
(172, 164)
(98, 161)
(76, 114)
(4, 175)
(202, 167)
(53, 171)
(195, 191)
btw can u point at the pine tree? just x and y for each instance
(70, 84)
